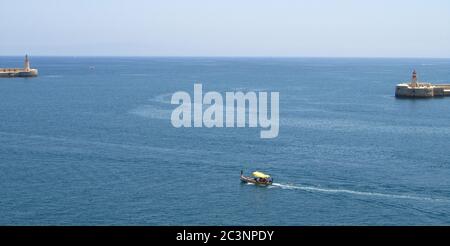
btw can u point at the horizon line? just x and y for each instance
(229, 56)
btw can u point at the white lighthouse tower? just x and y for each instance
(26, 66)
(414, 79)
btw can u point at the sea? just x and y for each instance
(90, 142)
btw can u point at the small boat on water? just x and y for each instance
(257, 178)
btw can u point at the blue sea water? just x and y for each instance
(89, 142)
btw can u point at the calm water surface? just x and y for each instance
(95, 146)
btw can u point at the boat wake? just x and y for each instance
(352, 192)
(152, 112)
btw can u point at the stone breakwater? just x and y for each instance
(421, 89)
(17, 72)
(26, 71)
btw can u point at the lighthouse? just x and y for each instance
(26, 66)
(26, 71)
(414, 79)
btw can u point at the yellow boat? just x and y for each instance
(258, 178)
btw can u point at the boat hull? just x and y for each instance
(251, 180)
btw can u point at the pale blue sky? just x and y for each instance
(330, 28)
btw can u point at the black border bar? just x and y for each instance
(224, 234)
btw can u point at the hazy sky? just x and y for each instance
(343, 28)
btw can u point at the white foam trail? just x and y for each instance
(53, 76)
(163, 98)
(152, 112)
(352, 192)
(135, 74)
(166, 97)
